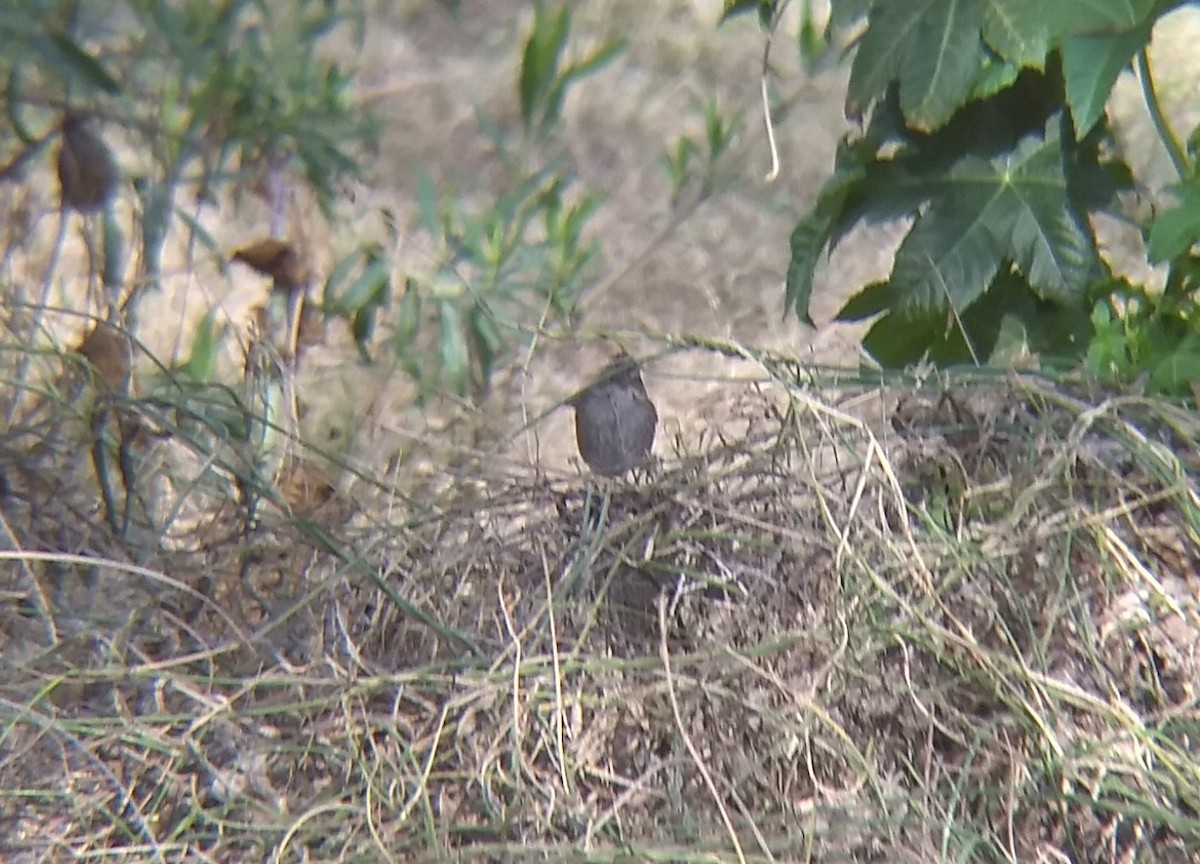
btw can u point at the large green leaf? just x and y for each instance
(1050, 242)
(1074, 17)
(932, 48)
(1091, 65)
(1017, 32)
(871, 299)
(896, 341)
(1176, 230)
(1015, 207)
(971, 336)
(954, 249)
(936, 80)
(813, 233)
(892, 34)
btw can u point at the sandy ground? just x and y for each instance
(719, 274)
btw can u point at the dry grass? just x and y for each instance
(962, 628)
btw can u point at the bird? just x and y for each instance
(615, 420)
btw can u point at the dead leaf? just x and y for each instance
(305, 486)
(278, 259)
(107, 349)
(87, 172)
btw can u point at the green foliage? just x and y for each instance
(677, 161)
(524, 257)
(544, 76)
(503, 260)
(201, 365)
(1150, 337)
(361, 300)
(209, 90)
(987, 130)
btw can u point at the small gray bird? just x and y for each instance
(615, 420)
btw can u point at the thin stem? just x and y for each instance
(1165, 134)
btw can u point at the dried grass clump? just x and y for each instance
(963, 628)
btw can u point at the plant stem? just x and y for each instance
(1162, 127)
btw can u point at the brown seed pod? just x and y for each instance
(278, 259)
(615, 420)
(107, 349)
(305, 486)
(87, 172)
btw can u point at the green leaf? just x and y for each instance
(1033, 325)
(201, 365)
(541, 58)
(811, 41)
(845, 13)
(994, 77)
(1091, 64)
(1087, 17)
(156, 200)
(486, 341)
(1176, 230)
(593, 62)
(409, 320)
(1016, 208)
(896, 341)
(452, 347)
(1050, 241)
(813, 233)
(1017, 32)
(369, 289)
(62, 52)
(893, 32)
(337, 275)
(362, 326)
(114, 252)
(871, 299)
(952, 251)
(936, 79)
(931, 48)
(1176, 369)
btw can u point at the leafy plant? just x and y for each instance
(215, 95)
(523, 259)
(718, 134)
(545, 76)
(212, 98)
(505, 265)
(985, 127)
